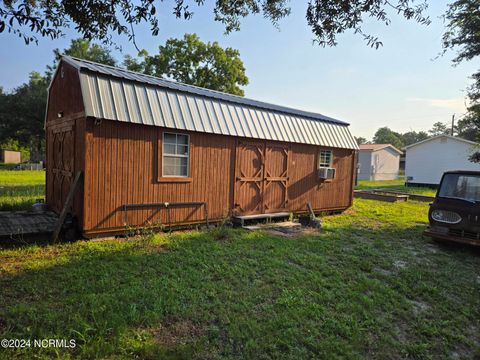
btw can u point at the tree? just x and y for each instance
(12, 144)
(22, 111)
(412, 137)
(83, 49)
(467, 127)
(99, 19)
(191, 61)
(438, 128)
(360, 140)
(386, 136)
(463, 34)
(23, 114)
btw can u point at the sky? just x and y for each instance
(403, 85)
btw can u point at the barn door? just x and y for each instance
(62, 158)
(261, 177)
(249, 177)
(275, 178)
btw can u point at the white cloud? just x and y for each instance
(456, 104)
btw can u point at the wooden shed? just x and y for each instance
(161, 152)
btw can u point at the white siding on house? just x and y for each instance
(428, 160)
(380, 164)
(386, 164)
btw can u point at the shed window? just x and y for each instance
(176, 154)
(325, 158)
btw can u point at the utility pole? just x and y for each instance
(453, 123)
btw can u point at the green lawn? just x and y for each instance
(20, 189)
(395, 185)
(369, 286)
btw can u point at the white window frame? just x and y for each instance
(323, 164)
(164, 154)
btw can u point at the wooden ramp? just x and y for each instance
(19, 223)
(241, 220)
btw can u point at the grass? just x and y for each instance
(395, 185)
(369, 286)
(19, 189)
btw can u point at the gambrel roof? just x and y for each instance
(118, 94)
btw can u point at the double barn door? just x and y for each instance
(261, 177)
(61, 162)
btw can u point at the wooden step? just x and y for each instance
(259, 217)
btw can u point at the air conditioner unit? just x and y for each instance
(326, 173)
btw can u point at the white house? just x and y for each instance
(378, 162)
(427, 160)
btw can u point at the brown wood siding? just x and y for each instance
(304, 186)
(123, 166)
(65, 94)
(65, 97)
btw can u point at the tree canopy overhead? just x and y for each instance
(98, 20)
(191, 61)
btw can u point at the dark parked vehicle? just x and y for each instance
(454, 215)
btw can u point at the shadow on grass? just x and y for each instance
(12, 190)
(20, 197)
(250, 295)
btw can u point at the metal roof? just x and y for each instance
(376, 147)
(439, 136)
(117, 94)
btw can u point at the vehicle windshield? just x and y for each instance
(460, 186)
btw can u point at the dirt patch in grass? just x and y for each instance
(180, 332)
(419, 307)
(462, 351)
(400, 264)
(383, 271)
(220, 233)
(401, 332)
(12, 266)
(156, 248)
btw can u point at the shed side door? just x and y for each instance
(275, 196)
(61, 156)
(249, 173)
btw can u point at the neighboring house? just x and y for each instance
(10, 157)
(378, 162)
(162, 152)
(427, 160)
